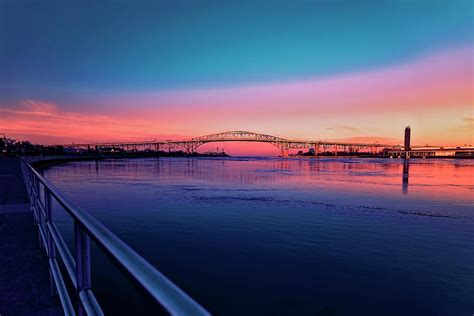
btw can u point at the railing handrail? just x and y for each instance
(170, 296)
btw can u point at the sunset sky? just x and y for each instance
(317, 70)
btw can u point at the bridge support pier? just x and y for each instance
(285, 149)
(190, 148)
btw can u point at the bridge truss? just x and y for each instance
(283, 144)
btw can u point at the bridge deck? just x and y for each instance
(24, 271)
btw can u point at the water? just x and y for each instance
(269, 236)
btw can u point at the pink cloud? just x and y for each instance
(441, 80)
(39, 107)
(40, 121)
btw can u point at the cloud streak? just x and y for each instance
(437, 81)
(347, 128)
(40, 120)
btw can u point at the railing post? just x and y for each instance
(36, 208)
(49, 238)
(30, 192)
(83, 263)
(32, 195)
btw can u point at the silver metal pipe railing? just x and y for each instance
(78, 268)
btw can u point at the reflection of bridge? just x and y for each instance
(241, 136)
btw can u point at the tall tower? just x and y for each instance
(407, 137)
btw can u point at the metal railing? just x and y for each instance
(78, 268)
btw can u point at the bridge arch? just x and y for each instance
(236, 136)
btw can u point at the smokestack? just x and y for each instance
(407, 137)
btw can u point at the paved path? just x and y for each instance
(24, 271)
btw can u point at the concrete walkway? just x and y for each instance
(24, 271)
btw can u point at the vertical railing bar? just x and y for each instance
(30, 191)
(83, 263)
(37, 210)
(49, 238)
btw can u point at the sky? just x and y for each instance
(88, 71)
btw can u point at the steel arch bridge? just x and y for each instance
(240, 136)
(232, 136)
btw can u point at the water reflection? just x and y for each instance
(254, 236)
(436, 179)
(406, 170)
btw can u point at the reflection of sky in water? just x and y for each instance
(253, 236)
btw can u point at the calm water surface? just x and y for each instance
(269, 236)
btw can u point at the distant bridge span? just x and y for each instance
(240, 136)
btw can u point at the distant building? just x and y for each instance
(434, 152)
(407, 138)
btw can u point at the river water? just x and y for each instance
(271, 236)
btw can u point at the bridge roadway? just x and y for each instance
(238, 136)
(24, 271)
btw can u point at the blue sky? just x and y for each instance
(155, 45)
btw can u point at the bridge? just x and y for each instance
(283, 144)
